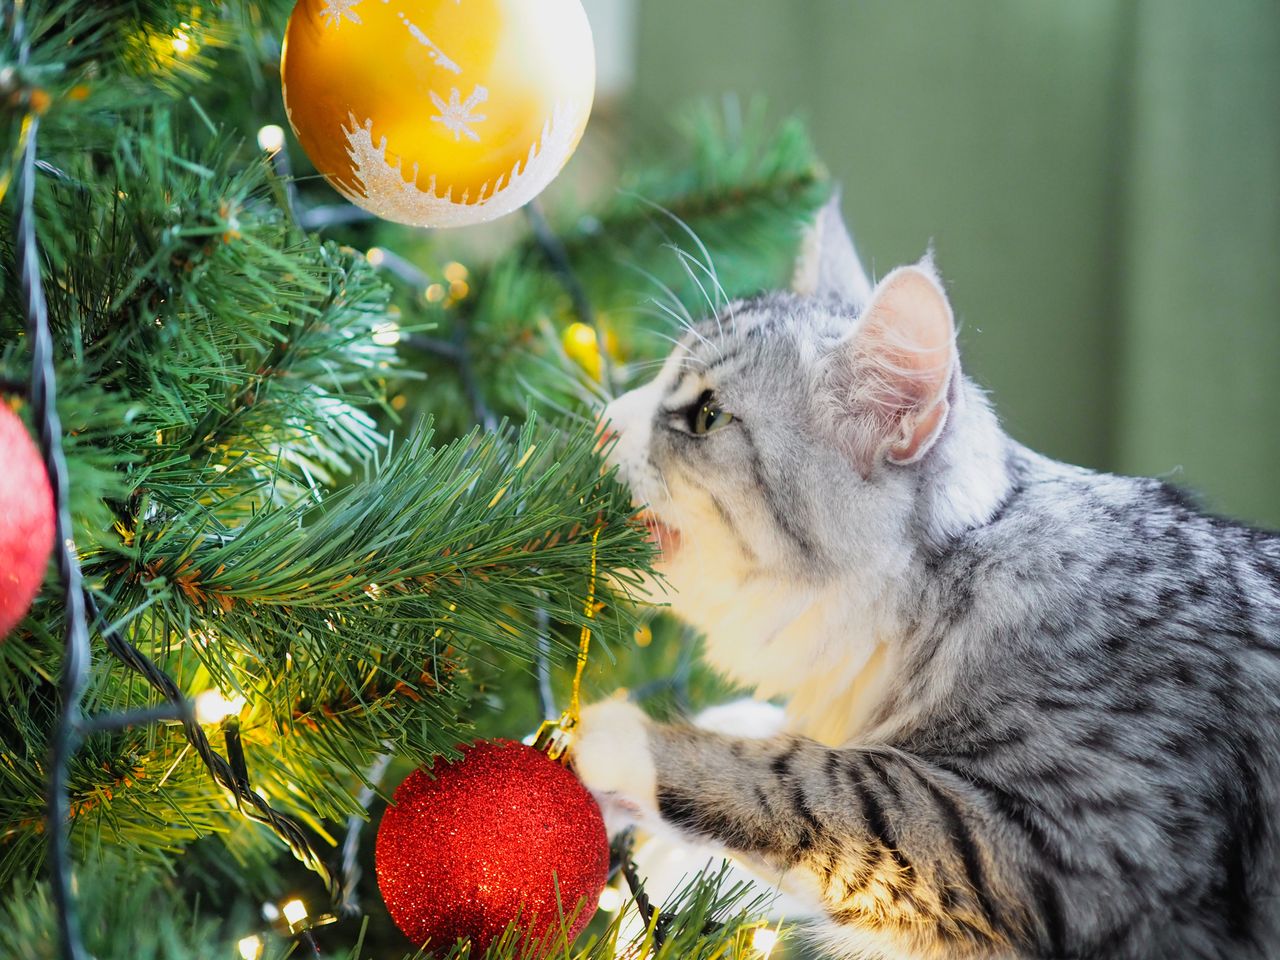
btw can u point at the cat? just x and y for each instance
(1031, 709)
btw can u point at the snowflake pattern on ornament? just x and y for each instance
(456, 115)
(391, 192)
(334, 10)
(434, 53)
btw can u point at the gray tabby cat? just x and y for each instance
(1031, 709)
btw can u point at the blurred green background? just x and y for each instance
(1101, 180)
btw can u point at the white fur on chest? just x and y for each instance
(823, 650)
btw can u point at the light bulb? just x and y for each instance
(213, 707)
(610, 899)
(763, 940)
(271, 137)
(250, 947)
(295, 911)
(387, 335)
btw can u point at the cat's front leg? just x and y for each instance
(902, 856)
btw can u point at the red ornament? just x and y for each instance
(26, 520)
(489, 840)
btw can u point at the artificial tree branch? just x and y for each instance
(250, 802)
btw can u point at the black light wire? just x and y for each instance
(621, 861)
(76, 656)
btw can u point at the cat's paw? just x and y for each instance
(611, 755)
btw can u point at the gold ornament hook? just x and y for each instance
(555, 736)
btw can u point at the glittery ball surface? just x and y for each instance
(26, 520)
(470, 846)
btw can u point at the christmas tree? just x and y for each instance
(324, 514)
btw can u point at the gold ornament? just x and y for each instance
(438, 113)
(580, 345)
(583, 347)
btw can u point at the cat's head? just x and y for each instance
(801, 435)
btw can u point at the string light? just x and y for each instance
(181, 43)
(295, 912)
(213, 707)
(434, 293)
(610, 899)
(386, 334)
(271, 137)
(456, 274)
(250, 947)
(375, 256)
(763, 940)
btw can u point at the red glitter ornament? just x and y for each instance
(26, 520)
(490, 840)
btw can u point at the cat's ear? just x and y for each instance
(828, 265)
(888, 381)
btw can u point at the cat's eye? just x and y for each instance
(707, 416)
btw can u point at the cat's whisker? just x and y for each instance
(653, 361)
(662, 478)
(680, 313)
(658, 282)
(685, 260)
(708, 265)
(685, 356)
(588, 398)
(723, 302)
(690, 329)
(654, 331)
(684, 363)
(559, 408)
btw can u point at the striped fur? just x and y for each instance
(1032, 709)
